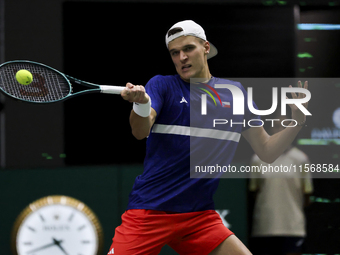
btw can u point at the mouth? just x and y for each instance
(186, 67)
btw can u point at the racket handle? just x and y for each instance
(111, 89)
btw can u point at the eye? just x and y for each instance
(174, 53)
(189, 48)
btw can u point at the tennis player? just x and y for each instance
(166, 206)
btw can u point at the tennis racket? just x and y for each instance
(48, 85)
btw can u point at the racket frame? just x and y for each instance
(93, 88)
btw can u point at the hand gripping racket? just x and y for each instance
(48, 85)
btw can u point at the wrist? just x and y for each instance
(142, 110)
(302, 123)
(296, 123)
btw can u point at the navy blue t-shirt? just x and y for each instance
(165, 184)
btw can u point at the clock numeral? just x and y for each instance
(32, 229)
(85, 242)
(42, 218)
(71, 217)
(27, 243)
(81, 227)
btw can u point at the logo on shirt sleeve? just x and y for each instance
(183, 101)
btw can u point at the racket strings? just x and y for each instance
(47, 85)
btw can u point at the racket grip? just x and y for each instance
(111, 89)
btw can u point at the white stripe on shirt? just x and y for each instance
(196, 132)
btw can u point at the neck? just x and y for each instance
(205, 74)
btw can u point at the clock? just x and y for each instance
(57, 225)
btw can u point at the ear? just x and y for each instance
(206, 45)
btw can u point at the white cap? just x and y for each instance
(189, 27)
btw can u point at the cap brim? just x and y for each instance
(213, 51)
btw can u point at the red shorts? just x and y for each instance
(147, 231)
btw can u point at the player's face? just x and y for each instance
(190, 57)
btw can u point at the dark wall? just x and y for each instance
(33, 32)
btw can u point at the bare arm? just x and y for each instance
(269, 148)
(140, 126)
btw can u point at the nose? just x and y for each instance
(183, 56)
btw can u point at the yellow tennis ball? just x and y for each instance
(24, 77)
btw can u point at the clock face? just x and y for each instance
(57, 228)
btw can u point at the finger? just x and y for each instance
(128, 88)
(305, 85)
(141, 94)
(137, 91)
(299, 84)
(129, 85)
(127, 91)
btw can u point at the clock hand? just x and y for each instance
(43, 247)
(56, 242)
